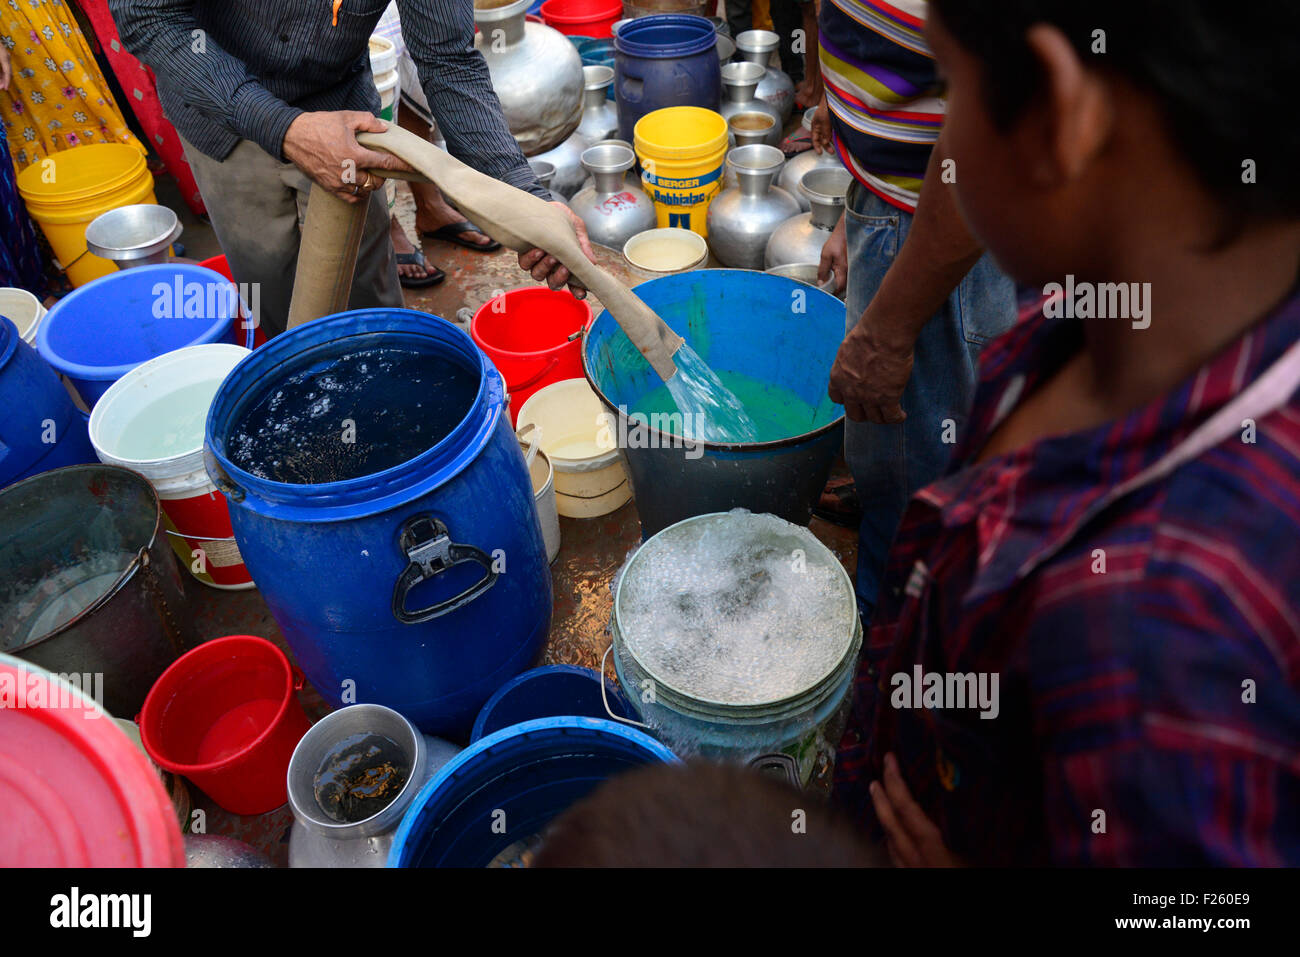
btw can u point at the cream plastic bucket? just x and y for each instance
(24, 310)
(197, 519)
(542, 473)
(578, 436)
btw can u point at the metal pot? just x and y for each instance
(567, 160)
(726, 49)
(613, 209)
(747, 129)
(88, 581)
(792, 174)
(741, 219)
(757, 46)
(612, 141)
(805, 273)
(544, 171)
(536, 73)
(739, 81)
(137, 235)
(800, 240)
(599, 114)
(316, 840)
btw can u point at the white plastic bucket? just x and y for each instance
(24, 310)
(543, 475)
(172, 390)
(573, 430)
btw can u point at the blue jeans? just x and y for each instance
(891, 462)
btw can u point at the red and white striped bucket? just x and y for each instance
(151, 420)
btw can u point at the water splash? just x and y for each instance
(711, 411)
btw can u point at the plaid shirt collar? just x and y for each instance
(1036, 499)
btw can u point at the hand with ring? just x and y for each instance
(324, 146)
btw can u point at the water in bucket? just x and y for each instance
(775, 413)
(350, 416)
(171, 425)
(734, 611)
(712, 412)
(360, 777)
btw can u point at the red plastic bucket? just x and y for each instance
(75, 791)
(582, 18)
(534, 337)
(226, 715)
(218, 264)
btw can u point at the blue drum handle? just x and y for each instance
(429, 551)
(781, 763)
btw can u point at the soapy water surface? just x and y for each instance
(391, 403)
(738, 611)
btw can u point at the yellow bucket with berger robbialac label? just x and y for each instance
(682, 150)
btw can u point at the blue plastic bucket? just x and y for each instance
(506, 788)
(774, 330)
(422, 587)
(548, 692)
(664, 60)
(101, 331)
(41, 429)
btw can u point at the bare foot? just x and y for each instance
(401, 246)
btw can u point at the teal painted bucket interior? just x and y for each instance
(771, 340)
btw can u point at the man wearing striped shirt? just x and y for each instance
(269, 97)
(923, 299)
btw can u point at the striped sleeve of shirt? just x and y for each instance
(881, 88)
(245, 69)
(167, 37)
(440, 37)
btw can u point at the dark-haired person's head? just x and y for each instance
(1073, 122)
(703, 815)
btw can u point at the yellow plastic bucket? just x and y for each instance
(682, 150)
(65, 192)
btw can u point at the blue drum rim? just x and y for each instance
(524, 677)
(378, 491)
(757, 447)
(544, 730)
(625, 40)
(77, 370)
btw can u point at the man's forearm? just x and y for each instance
(936, 257)
(456, 82)
(166, 37)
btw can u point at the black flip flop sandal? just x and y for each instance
(435, 275)
(452, 233)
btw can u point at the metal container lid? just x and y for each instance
(736, 609)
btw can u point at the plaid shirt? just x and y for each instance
(1146, 639)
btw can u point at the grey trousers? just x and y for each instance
(257, 205)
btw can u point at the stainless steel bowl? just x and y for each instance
(138, 235)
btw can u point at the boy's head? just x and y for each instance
(703, 815)
(1073, 121)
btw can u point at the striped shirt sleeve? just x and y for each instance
(440, 37)
(165, 35)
